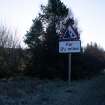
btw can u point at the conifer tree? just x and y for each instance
(48, 60)
(33, 35)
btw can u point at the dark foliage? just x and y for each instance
(42, 39)
(88, 63)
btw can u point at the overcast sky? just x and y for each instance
(18, 14)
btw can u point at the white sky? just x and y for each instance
(18, 14)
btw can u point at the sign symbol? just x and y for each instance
(69, 34)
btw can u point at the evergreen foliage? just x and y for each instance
(43, 37)
(33, 35)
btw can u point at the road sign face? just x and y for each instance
(69, 41)
(69, 46)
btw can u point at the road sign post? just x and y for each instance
(69, 47)
(69, 68)
(69, 42)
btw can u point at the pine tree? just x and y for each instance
(33, 35)
(52, 14)
(34, 42)
(47, 60)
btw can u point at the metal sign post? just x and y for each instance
(69, 68)
(69, 42)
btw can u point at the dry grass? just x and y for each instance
(26, 91)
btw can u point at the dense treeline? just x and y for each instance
(86, 64)
(42, 59)
(42, 40)
(90, 62)
(11, 54)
